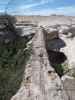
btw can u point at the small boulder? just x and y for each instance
(51, 33)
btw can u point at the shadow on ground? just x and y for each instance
(55, 44)
(56, 57)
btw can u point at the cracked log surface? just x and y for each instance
(40, 81)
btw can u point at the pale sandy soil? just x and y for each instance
(69, 49)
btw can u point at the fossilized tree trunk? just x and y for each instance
(40, 81)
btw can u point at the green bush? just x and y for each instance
(59, 68)
(13, 58)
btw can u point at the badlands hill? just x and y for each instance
(48, 20)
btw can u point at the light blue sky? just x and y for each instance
(38, 7)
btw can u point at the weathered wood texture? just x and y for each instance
(40, 81)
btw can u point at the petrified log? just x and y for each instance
(40, 81)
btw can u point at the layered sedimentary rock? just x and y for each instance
(51, 32)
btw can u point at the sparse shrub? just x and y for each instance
(61, 69)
